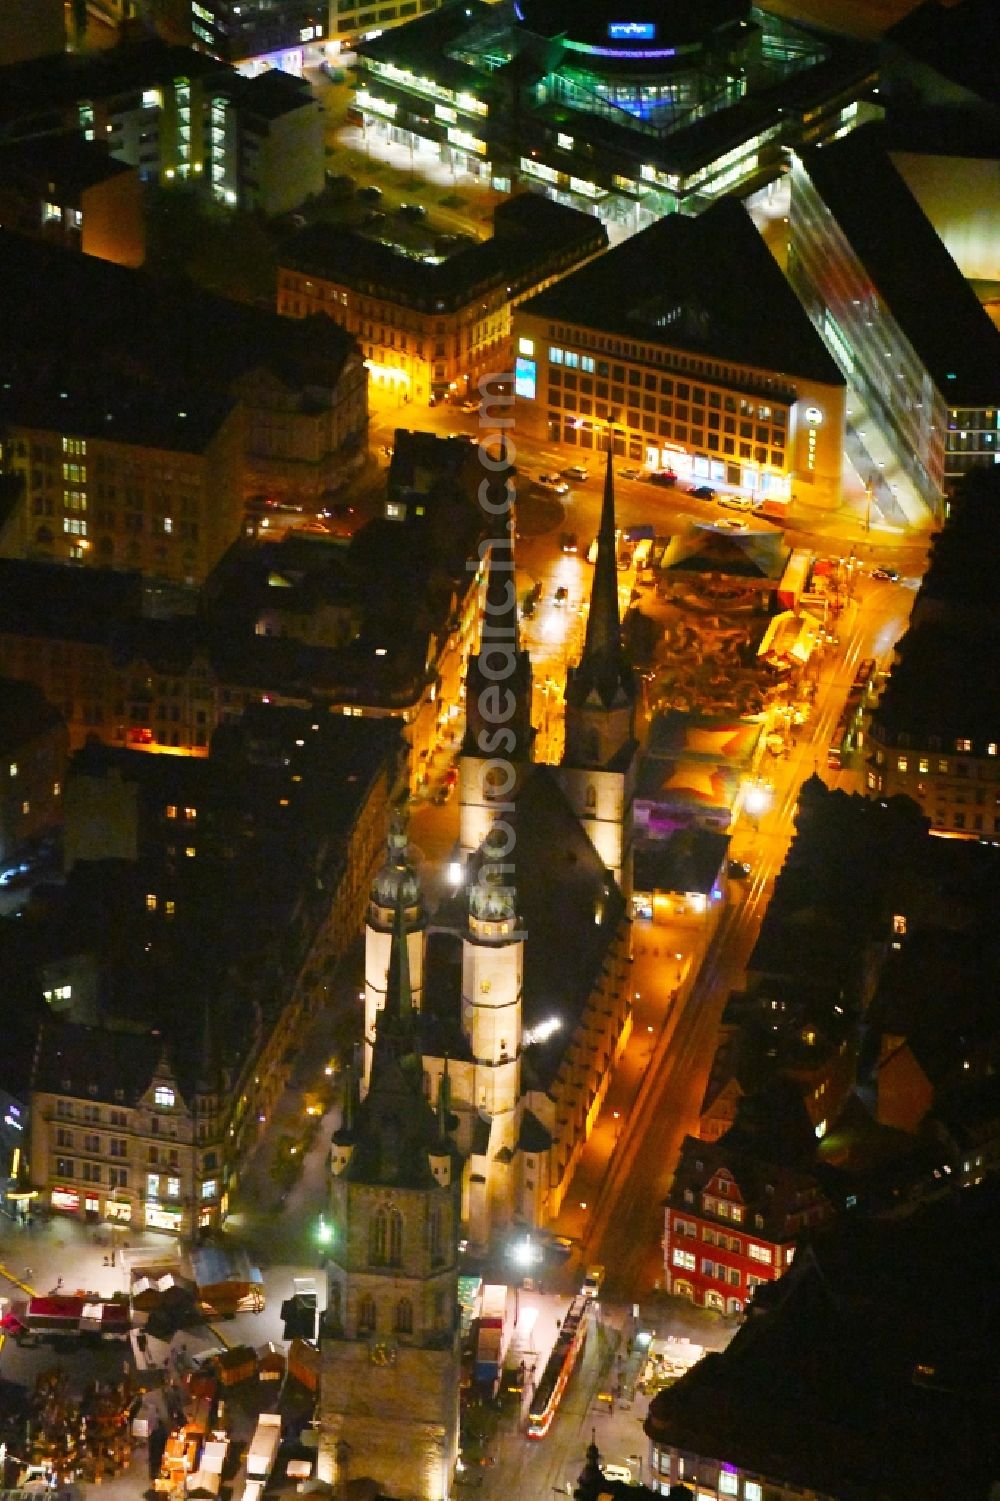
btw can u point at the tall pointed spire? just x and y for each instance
(603, 674)
(500, 659)
(398, 995)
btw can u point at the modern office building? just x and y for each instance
(426, 329)
(687, 342)
(915, 345)
(628, 118)
(177, 116)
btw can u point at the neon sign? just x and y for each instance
(632, 31)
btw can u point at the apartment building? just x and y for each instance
(147, 1117)
(179, 117)
(430, 330)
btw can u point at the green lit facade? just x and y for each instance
(632, 116)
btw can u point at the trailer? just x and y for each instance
(68, 1316)
(264, 1446)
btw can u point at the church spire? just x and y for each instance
(501, 661)
(398, 994)
(603, 675)
(395, 1028)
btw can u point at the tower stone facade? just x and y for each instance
(598, 767)
(389, 1380)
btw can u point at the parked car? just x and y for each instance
(737, 870)
(562, 594)
(730, 524)
(632, 472)
(568, 542)
(577, 472)
(370, 194)
(702, 492)
(662, 477)
(735, 502)
(886, 575)
(554, 483)
(372, 219)
(413, 210)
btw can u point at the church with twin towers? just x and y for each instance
(518, 980)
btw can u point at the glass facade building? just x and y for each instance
(629, 119)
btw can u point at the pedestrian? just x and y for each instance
(58, 1283)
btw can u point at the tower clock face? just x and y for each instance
(382, 1352)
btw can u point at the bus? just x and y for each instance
(849, 734)
(570, 1341)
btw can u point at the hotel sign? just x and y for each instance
(632, 31)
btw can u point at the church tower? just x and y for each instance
(492, 969)
(498, 732)
(598, 767)
(389, 1378)
(395, 883)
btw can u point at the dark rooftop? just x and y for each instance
(76, 323)
(95, 1061)
(24, 713)
(943, 682)
(960, 42)
(707, 285)
(856, 1383)
(937, 310)
(66, 162)
(689, 860)
(528, 232)
(43, 84)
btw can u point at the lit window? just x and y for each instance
(51, 212)
(173, 1188)
(526, 346)
(163, 1095)
(150, 901)
(169, 908)
(924, 764)
(25, 807)
(56, 789)
(737, 1213)
(555, 356)
(991, 749)
(752, 1491)
(729, 1484)
(168, 525)
(171, 810)
(963, 745)
(899, 923)
(209, 1188)
(759, 1253)
(190, 814)
(189, 851)
(152, 1185)
(151, 99)
(13, 768)
(902, 763)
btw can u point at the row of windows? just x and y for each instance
(658, 355)
(92, 1172)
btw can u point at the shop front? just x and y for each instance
(163, 1217)
(66, 1200)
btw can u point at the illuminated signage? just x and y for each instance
(524, 378)
(632, 31)
(814, 415)
(65, 1198)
